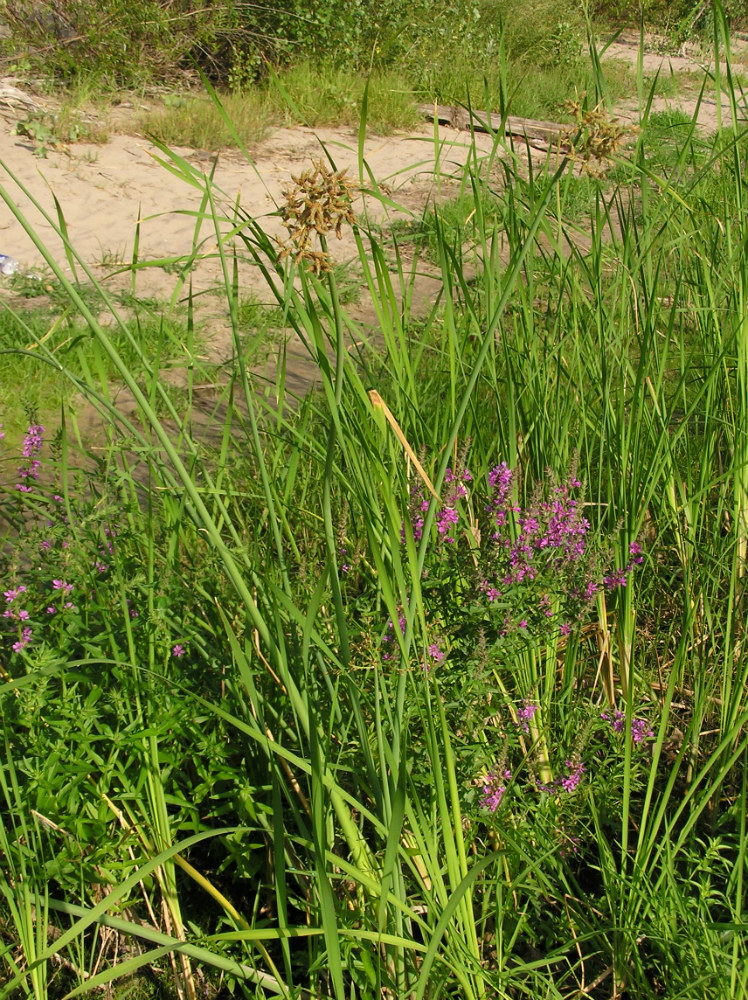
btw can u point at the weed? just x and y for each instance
(255, 315)
(55, 131)
(114, 258)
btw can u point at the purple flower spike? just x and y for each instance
(572, 779)
(525, 715)
(446, 518)
(32, 443)
(494, 787)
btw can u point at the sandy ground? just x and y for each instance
(103, 191)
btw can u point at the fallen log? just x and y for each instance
(458, 117)
(13, 97)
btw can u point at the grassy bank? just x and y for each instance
(431, 684)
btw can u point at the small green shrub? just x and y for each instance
(54, 131)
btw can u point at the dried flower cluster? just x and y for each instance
(319, 202)
(594, 138)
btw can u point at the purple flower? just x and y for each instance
(11, 595)
(417, 507)
(500, 479)
(494, 787)
(435, 652)
(616, 578)
(459, 489)
(446, 517)
(32, 443)
(23, 641)
(491, 592)
(178, 650)
(62, 585)
(590, 590)
(572, 779)
(525, 714)
(640, 728)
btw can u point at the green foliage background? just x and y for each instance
(234, 43)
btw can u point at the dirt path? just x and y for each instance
(690, 66)
(104, 190)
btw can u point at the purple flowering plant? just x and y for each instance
(512, 586)
(516, 787)
(71, 580)
(532, 572)
(57, 592)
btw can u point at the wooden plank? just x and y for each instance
(523, 128)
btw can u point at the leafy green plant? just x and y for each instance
(49, 131)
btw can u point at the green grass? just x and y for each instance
(322, 95)
(309, 94)
(59, 350)
(193, 120)
(326, 678)
(325, 95)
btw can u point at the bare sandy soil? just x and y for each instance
(103, 191)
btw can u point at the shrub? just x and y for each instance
(124, 43)
(233, 43)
